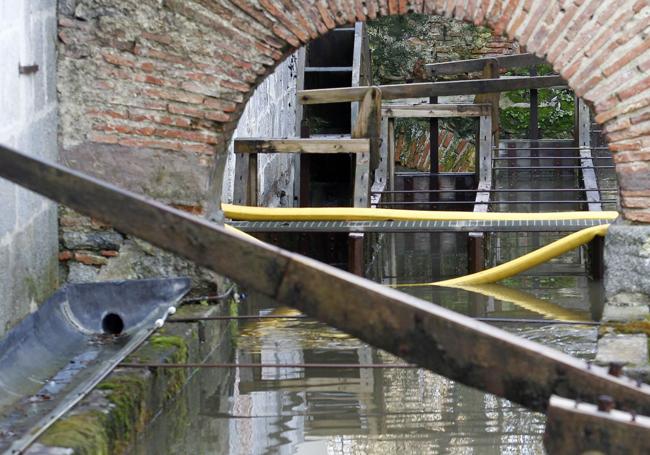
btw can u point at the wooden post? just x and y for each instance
(434, 154)
(252, 180)
(355, 253)
(367, 126)
(391, 154)
(533, 128)
(241, 190)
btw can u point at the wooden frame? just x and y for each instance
(429, 89)
(478, 64)
(247, 149)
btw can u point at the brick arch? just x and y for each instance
(191, 65)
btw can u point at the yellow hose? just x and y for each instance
(526, 301)
(525, 262)
(246, 213)
(241, 233)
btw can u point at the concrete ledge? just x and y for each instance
(627, 278)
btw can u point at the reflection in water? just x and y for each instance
(379, 411)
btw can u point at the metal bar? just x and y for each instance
(514, 158)
(356, 366)
(577, 201)
(456, 346)
(492, 190)
(548, 168)
(235, 318)
(550, 147)
(298, 317)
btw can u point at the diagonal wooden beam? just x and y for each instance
(435, 338)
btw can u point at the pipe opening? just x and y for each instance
(112, 324)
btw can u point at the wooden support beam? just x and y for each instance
(477, 65)
(434, 337)
(356, 261)
(583, 141)
(368, 126)
(298, 145)
(435, 110)
(430, 89)
(581, 428)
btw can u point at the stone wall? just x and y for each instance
(28, 122)
(142, 108)
(271, 112)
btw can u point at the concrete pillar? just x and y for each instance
(627, 276)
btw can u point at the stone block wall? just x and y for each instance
(145, 102)
(271, 112)
(28, 122)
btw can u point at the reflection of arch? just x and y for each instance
(599, 47)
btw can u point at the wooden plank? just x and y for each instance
(484, 164)
(356, 66)
(573, 428)
(240, 190)
(477, 65)
(355, 253)
(391, 154)
(368, 125)
(252, 180)
(299, 145)
(491, 71)
(436, 338)
(583, 139)
(435, 110)
(429, 89)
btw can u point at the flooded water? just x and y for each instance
(376, 411)
(289, 410)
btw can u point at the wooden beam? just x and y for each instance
(435, 110)
(429, 89)
(298, 145)
(573, 428)
(434, 337)
(583, 140)
(477, 65)
(368, 125)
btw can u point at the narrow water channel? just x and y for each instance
(378, 411)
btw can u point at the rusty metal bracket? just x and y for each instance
(27, 70)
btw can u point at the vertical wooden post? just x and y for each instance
(434, 155)
(241, 190)
(252, 179)
(391, 154)
(533, 128)
(355, 253)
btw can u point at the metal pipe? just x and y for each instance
(550, 168)
(209, 298)
(482, 319)
(234, 318)
(603, 201)
(501, 190)
(272, 365)
(512, 158)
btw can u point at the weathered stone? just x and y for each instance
(92, 240)
(627, 258)
(166, 176)
(629, 349)
(80, 273)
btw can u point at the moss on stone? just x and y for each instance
(85, 433)
(176, 377)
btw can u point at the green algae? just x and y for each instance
(84, 433)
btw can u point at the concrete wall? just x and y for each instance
(28, 122)
(271, 112)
